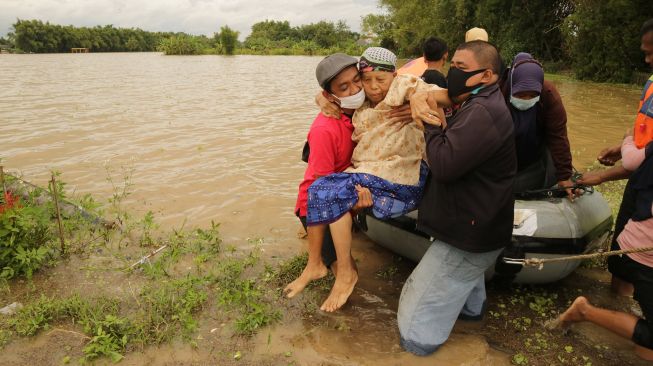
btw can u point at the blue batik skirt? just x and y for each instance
(330, 197)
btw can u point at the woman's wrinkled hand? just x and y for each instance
(364, 198)
(328, 108)
(425, 109)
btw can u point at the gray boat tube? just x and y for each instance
(544, 228)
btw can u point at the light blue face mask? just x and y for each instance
(524, 104)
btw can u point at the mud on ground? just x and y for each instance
(364, 332)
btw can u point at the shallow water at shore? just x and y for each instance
(219, 138)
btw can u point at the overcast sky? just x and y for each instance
(190, 16)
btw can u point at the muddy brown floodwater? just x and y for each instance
(211, 138)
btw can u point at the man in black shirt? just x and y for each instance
(435, 56)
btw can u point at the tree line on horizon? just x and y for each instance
(594, 39)
(267, 37)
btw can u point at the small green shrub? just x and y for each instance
(181, 45)
(109, 339)
(24, 237)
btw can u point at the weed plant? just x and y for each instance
(172, 297)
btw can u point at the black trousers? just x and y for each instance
(641, 276)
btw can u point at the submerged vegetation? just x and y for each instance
(172, 295)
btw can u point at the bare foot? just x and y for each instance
(310, 273)
(575, 313)
(341, 290)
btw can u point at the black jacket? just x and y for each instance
(468, 200)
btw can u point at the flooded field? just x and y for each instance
(210, 138)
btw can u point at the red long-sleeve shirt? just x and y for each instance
(331, 148)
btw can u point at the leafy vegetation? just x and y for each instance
(181, 45)
(598, 39)
(39, 37)
(228, 40)
(26, 235)
(172, 298)
(278, 37)
(613, 27)
(267, 37)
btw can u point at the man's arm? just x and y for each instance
(554, 119)
(601, 176)
(438, 96)
(453, 152)
(326, 107)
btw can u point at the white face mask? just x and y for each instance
(524, 104)
(352, 101)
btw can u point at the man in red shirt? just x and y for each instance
(330, 149)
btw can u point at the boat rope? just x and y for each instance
(539, 262)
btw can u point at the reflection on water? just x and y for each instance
(219, 138)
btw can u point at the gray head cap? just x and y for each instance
(331, 66)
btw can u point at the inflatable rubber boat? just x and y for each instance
(546, 225)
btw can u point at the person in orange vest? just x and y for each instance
(643, 131)
(631, 273)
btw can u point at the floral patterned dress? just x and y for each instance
(387, 160)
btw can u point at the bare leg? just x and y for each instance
(346, 269)
(315, 269)
(644, 353)
(617, 322)
(334, 267)
(621, 287)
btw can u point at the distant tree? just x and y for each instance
(38, 37)
(603, 38)
(132, 44)
(379, 27)
(598, 38)
(228, 39)
(181, 45)
(272, 30)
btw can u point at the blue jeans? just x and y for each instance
(446, 284)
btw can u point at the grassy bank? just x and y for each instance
(106, 288)
(200, 300)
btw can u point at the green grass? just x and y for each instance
(170, 299)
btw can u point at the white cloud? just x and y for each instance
(191, 16)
